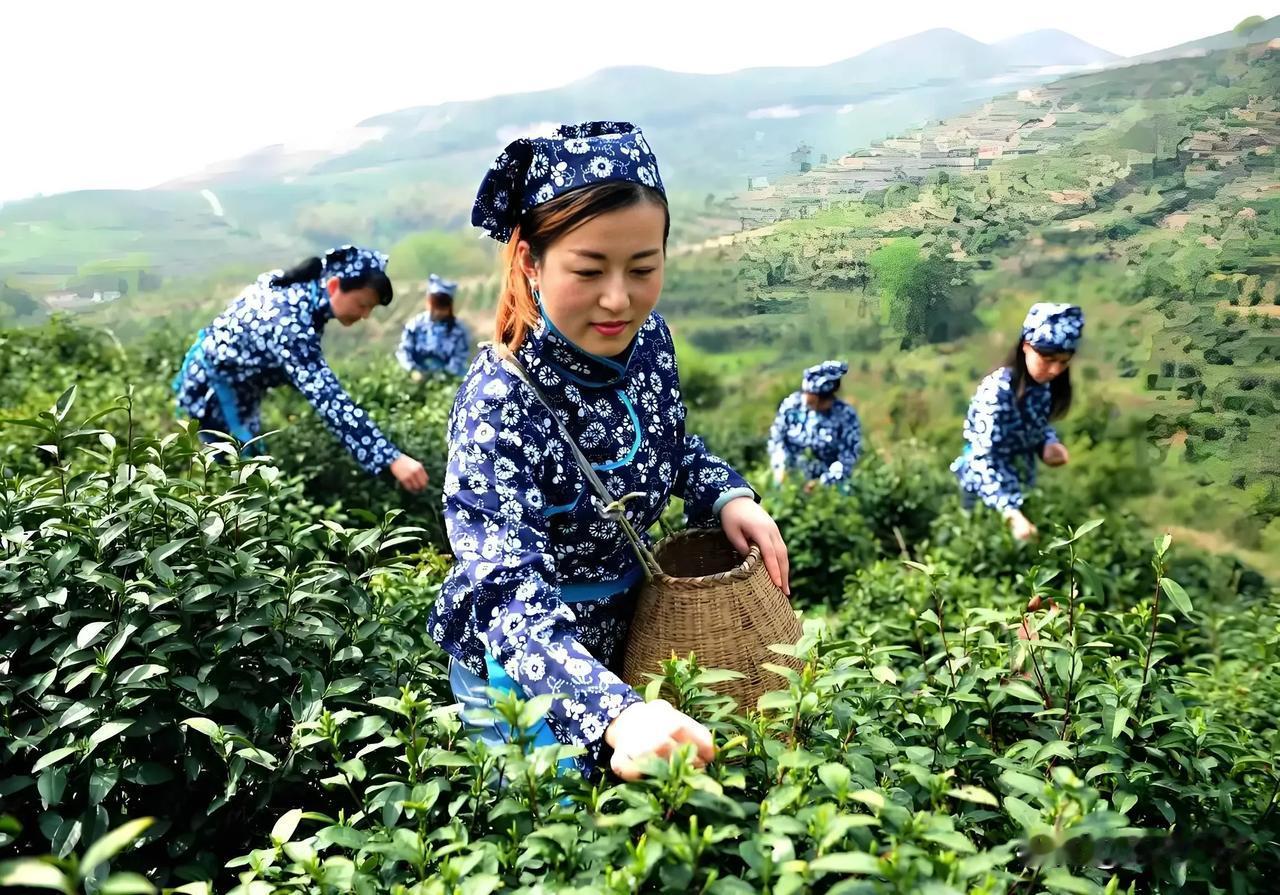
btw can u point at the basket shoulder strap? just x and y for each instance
(610, 507)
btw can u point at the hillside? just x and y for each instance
(1035, 47)
(1146, 192)
(416, 169)
(1157, 213)
(1150, 195)
(1268, 29)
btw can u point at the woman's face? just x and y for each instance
(350, 306)
(1044, 368)
(820, 403)
(440, 308)
(600, 281)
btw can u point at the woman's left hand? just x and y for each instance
(745, 523)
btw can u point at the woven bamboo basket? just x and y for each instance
(718, 606)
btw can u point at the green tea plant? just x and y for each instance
(215, 677)
(165, 633)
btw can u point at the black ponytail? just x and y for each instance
(1059, 388)
(313, 269)
(305, 272)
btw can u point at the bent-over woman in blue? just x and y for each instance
(270, 335)
(815, 434)
(1008, 426)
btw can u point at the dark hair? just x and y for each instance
(542, 226)
(313, 269)
(442, 301)
(1059, 388)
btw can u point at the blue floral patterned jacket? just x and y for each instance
(270, 336)
(431, 346)
(819, 446)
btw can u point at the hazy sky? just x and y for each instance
(126, 94)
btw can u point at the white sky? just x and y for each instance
(127, 94)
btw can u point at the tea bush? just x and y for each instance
(166, 634)
(37, 365)
(412, 414)
(215, 676)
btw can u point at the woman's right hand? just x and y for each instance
(1055, 454)
(409, 473)
(1020, 525)
(654, 729)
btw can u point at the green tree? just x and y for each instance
(16, 302)
(435, 251)
(919, 290)
(900, 195)
(1249, 25)
(1193, 391)
(1192, 265)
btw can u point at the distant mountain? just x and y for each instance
(757, 113)
(1227, 40)
(1035, 48)
(416, 168)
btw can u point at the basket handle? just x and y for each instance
(606, 505)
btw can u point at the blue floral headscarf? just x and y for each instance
(824, 379)
(531, 171)
(1051, 328)
(438, 286)
(352, 261)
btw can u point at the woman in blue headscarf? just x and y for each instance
(435, 340)
(815, 433)
(545, 582)
(270, 335)
(1007, 427)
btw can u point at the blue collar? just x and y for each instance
(573, 363)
